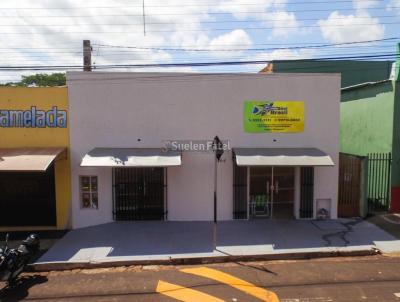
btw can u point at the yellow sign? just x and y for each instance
(271, 116)
(38, 117)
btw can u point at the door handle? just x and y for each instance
(144, 188)
(276, 187)
(267, 187)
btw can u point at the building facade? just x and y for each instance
(370, 123)
(34, 159)
(281, 132)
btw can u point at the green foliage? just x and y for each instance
(40, 80)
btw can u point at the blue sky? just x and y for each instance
(50, 32)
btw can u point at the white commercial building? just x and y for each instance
(281, 132)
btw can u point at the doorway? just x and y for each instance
(139, 193)
(28, 198)
(272, 192)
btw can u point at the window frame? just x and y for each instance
(91, 192)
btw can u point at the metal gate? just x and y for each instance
(350, 185)
(379, 173)
(306, 192)
(138, 193)
(239, 192)
(28, 198)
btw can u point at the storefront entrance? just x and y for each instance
(28, 198)
(272, 192)
(138, 193)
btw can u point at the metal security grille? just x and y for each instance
(138, 193)
(350, 175)
(306, 192)
(239, 192)
(28, 198)
(379, 172)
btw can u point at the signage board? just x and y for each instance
(33, 118)
(273, 116)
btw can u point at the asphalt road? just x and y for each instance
(374, 278)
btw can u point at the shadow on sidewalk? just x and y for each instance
(20, 290)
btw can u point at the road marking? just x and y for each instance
(319, 299)
(184, 294)
(397, 295)
(251, 289)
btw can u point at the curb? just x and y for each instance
(61, 266)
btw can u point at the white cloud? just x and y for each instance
(237, 37)
(394, 5)
(283, 23)
(59, 32)
(365, 4)
(286, 54)
(339, 28)
(240, 11)
(271, 11)
(280, 54)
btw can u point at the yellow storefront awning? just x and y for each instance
(131, 157)
(29, 159)
(282, 157)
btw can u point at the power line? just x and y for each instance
(246, 49)
(183, 23)
(143, 56)
(48, 55)
(195, 30)
(187, 64)
(177, 5)
(78, 48)
(189, 13)
(143, 60)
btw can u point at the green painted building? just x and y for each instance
(370, 123)
(370, 108)
(353, 72)
(367, 117)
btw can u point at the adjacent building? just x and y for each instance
(369, 120)
(370, 124)
(34, 159)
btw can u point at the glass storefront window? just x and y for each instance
(88, 192)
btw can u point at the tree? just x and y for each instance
(40, 80)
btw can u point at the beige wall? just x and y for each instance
(117, 109)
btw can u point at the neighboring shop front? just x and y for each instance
(282, 134)
(34, 158)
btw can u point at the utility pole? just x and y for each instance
(87, 56)
(218, 149)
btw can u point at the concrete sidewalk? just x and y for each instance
(142, 242)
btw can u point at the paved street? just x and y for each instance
(375, 278)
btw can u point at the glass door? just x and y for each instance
(260, 203)
(272, 192)
(283, 192)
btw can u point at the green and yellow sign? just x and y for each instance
(270, 116)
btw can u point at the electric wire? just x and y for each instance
(188, 13)
(189, 64)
